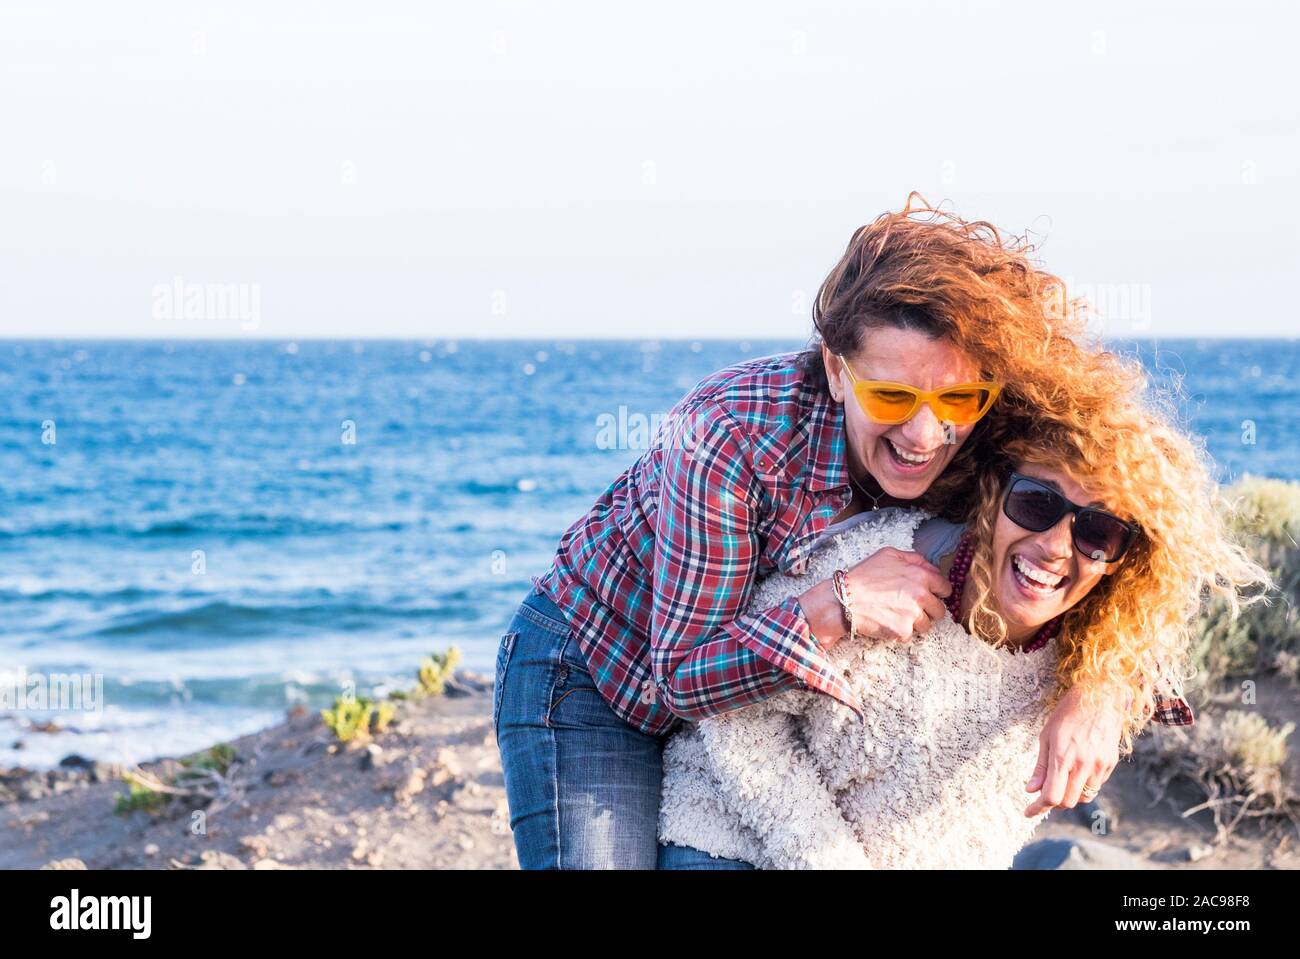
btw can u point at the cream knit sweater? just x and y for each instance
(932, 778)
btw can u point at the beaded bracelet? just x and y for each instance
(840, 586)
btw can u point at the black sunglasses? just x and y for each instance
(1034, 505)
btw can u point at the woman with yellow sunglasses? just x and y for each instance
(912, 410)
(639, 624)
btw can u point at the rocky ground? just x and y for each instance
(428, 793)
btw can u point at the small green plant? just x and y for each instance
(218, 758)
(436, 669)
(139, 797)
(357, 719)
(349, 718)
(383, 715)
(201, 778)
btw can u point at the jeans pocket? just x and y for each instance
(499, 678)
(575, 701)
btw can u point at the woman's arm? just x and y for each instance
(1079, 746)
(707, 657)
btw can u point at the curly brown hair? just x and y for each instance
(928, 270)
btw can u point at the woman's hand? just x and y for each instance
(894, 593)
(1077, 747)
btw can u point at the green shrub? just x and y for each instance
(436, 669)
(197, 779)
(139, 797)
(383, 715)
(359, 718)
(1244, 740)
(1237, 763)
(1266, 636)
(218, 758)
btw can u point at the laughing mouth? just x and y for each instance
(1035, 579)
(905, 458)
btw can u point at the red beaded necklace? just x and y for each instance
(957, 577)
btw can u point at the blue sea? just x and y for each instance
(222, 530)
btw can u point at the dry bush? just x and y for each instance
(1236, 760)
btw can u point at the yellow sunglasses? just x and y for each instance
(892, 403)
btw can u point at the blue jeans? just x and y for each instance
(582, 785)
(673, 856)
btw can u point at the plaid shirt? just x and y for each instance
(746, 472)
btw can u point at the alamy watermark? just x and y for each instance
(1123, 307)
(63, 692)
(635, 430)
(235, 302)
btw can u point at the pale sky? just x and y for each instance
(594, 169)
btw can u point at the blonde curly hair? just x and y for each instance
(1135, 625)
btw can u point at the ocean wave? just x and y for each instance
(262, 525)
(33, 590)
(481, 488)
(221, 619)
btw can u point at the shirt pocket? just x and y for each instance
(792, 526)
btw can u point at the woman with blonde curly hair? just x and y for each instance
(639, 625)
(1137, 621)
(1089, 547)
